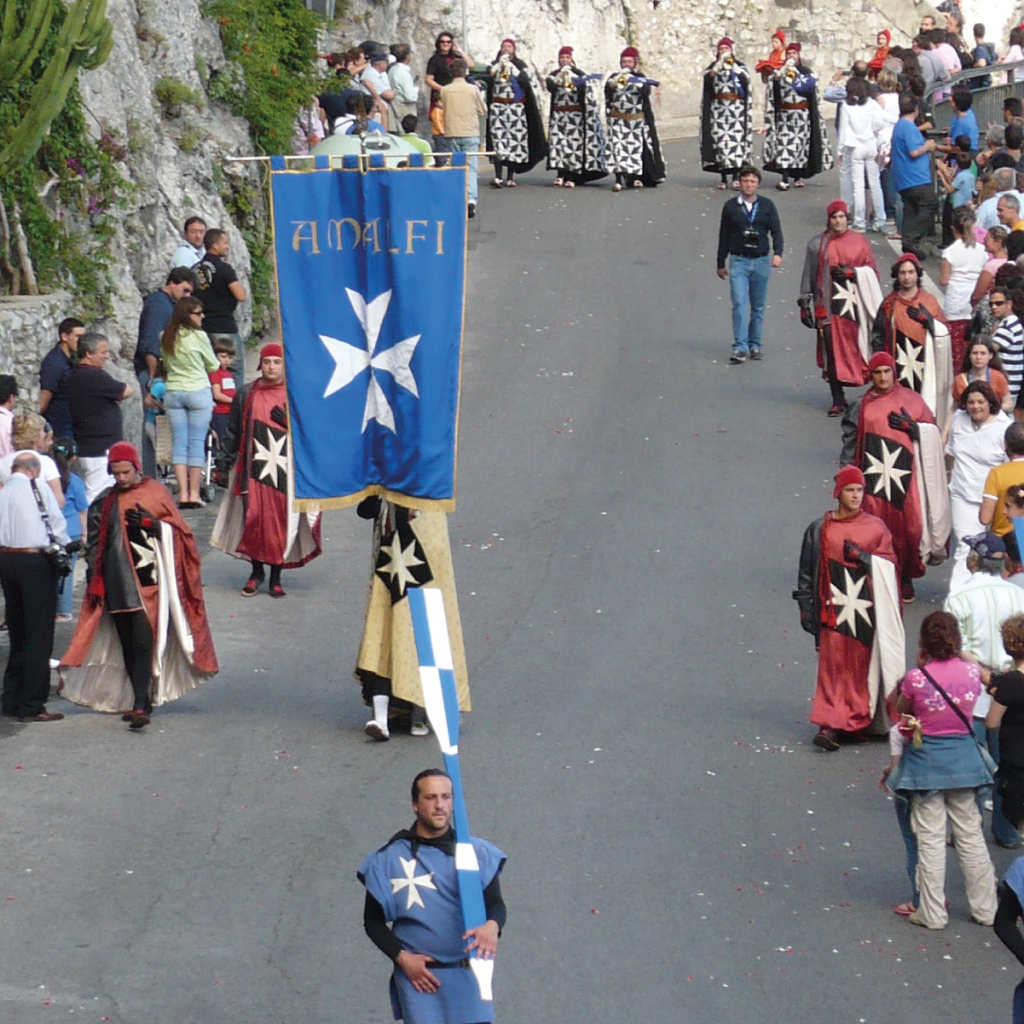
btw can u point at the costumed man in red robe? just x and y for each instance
(875, 64)
(839, 296)
(142, 637)
(256, 521)
(912, 328)
(849, 601)
(889, 433)
(765, 68)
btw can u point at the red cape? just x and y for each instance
(156, 499)
(898, 502)
(850, 249)
(841, 699)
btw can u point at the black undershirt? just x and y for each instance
(375, 923)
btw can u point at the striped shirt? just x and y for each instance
(1008, 337)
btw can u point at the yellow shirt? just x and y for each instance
(1019, 226)
(998, 481)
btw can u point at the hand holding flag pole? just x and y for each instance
(437, 676)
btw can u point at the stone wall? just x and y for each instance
(28, 330)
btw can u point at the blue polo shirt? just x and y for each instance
(907, 171)
(965, 124)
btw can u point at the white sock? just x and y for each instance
(380, 709)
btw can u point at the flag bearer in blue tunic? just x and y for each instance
(412, 882)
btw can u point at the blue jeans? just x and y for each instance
(748, 283)
(467, 144)
(189, 413)
(1018, 1004)
(902, 802)
(1002, 828)
(66, 587)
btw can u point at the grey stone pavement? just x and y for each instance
(629, 516)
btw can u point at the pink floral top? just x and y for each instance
(960, 679)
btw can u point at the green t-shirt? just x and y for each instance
(193, 360)
(421, 144)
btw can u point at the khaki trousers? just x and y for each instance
(928, 816)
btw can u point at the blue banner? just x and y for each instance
(371, 274)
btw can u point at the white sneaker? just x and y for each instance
(419, 729)
(376, 731)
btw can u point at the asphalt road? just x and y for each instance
(629, 519)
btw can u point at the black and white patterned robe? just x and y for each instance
(576, 135)
(515, 131)
(633, 146)
(726, 129)
(796, 139)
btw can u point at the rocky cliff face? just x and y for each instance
(177, 156)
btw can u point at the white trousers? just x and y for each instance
(95, 476)
(928, 816)
(965, 524)
(861, 161)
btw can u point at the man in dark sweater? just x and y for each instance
(747, 221)
(220, 291)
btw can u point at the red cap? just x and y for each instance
(123, 452)
(272, 349)
(846, 476)
(565, 51)
(888, 35)
(881, 359)
(780, 35)
(838, 206)
(907, 257)
(630, 51)
(724, 41)
(795, 47)
(512, 41)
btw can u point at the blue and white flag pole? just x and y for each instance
(437, 675)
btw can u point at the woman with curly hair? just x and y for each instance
(942, 767)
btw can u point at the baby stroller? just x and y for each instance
(211, 449)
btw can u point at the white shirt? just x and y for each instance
(986, 216)
(966, 262)
(974, 453)
(187, 255)
(49, 469)
(981, 606)
(6, 423)
(406, 90)
(889, 103)
(21, 524)
(858, 124)
(378, 79)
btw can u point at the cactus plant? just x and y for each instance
(19, 47)
(84, 41)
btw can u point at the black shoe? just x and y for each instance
(755, 355)
(472, 210)
(737, 357)
(826, 739)
(139, 719)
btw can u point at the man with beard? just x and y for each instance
(726, 130)
(577, 147)
(412, 882)
(142, 638)
(849, 602)
(634, 151)
(256, 521)
(889, 433)
(839, 296)
(911, 327)
(796, 140)
(515, 131)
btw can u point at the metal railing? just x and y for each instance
(988, 102)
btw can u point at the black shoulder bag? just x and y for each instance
(983, 753)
